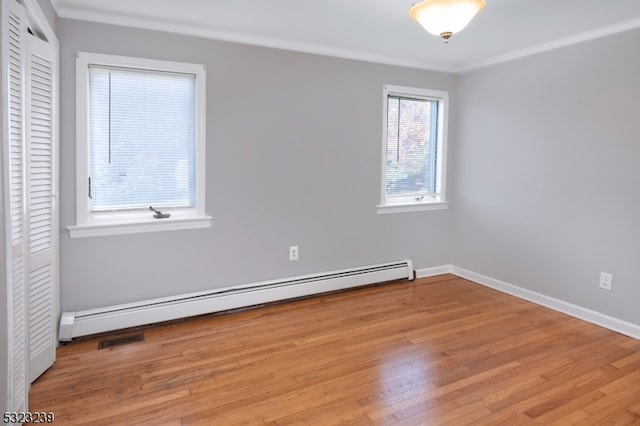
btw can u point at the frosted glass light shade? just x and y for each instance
(445, 17)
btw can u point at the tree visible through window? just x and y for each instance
(414, 146)
(412, 126)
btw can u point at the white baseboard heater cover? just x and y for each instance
(83, 323)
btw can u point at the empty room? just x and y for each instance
(277, 212)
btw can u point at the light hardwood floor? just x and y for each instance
(440, 350)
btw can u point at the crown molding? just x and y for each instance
(556, 44)
(245, 38)
(336, 52)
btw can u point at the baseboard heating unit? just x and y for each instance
(83, 323)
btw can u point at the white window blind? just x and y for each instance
(142, 139)
(411, 147)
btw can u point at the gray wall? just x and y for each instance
(293, 157)
(546, 172)
(542, 173)
(49, 13)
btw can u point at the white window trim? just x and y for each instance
(410, 204)
(114, 223)
(424, 205)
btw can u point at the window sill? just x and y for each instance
(416, 207)
(114, 225)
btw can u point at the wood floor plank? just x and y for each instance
(563, 413)
(440, 350)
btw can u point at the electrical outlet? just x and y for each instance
(293, 253)
(606, 281)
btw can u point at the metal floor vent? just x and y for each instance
(119, 341)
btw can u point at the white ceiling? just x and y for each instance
(372, 30)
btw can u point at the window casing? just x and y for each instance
(140, 142)
(413, 149)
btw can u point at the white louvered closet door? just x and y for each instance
(41, 206)
(15, 31)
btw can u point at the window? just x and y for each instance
(414, 149)
(140, 143)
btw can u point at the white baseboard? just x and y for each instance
(74, 324)
(611, 323)
(436, 270)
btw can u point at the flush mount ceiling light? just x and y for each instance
(445, 18)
